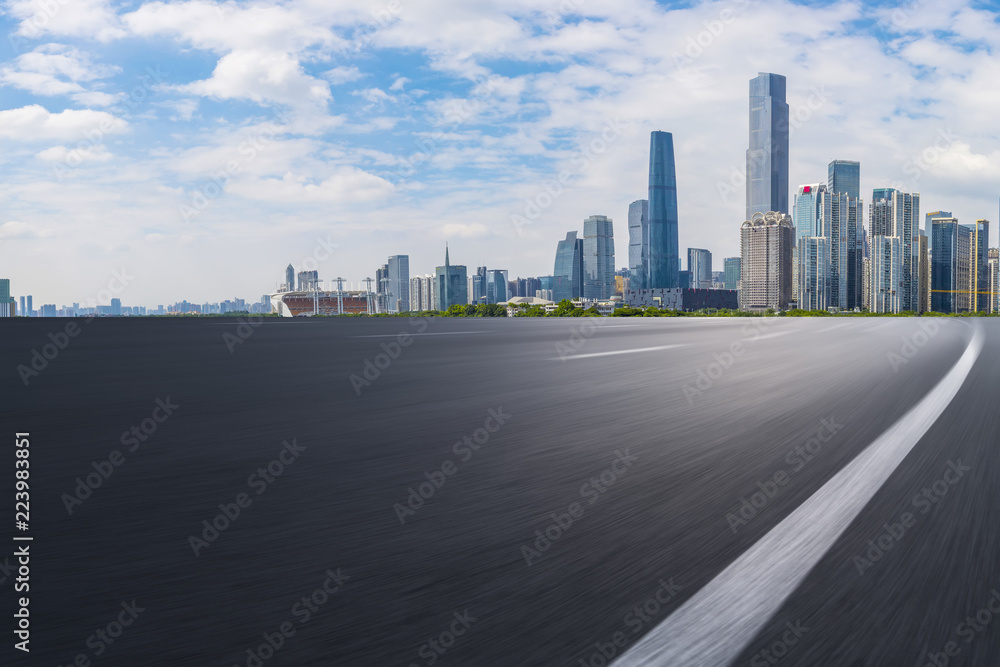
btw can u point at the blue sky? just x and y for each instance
(203, 146)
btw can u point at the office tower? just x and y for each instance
(766, 244)
(416, 294)
(929, 220)
(844, 177)
(886, 274)
(814, 272)
(116, 306)
(598, 257)
(289, 279)
(382, 289)
(924, 303)
(399, 283)
(664, 249)
(993, 265)
(308, 281)
(700, 266)
(767, 156)
(567, 274)
(866, 283)
(497, 286)
(7, 303)
(638, 244)
(806, 218)
(897, 214)
(452, 287)
(944, 263)
(478, 289)
(732, 272)
(981, 266)
(22, 312)
(30, 312)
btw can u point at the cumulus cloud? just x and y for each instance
(36, 123)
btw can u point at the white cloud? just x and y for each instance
(346, 185)
(56, 69)
(95, 19)
(35, 123)
(74, 156)
(340, 75)
(21, 230)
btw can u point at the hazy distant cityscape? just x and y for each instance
(820, 253)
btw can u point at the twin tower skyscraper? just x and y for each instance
(654, 251)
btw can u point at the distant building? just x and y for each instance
(814, 273)
(598, 257)
(700, 266)
(289, 279)
(925, 273)
(23, 312)
(30, 312)
(638, 243)
(981, 266)
(308, 281)
(766, 244)
(7, 304)
(682, 299)
(993, 263)
(954, 266)
(116, 307)
(886, 274)
(767, 156)
(844, 177)
(452, 287)
(663, 250)
(497, 286)
(567, 275)
(897, 214)
(399, 284)
(732, 272)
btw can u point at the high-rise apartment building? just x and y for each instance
(700, 266)
(841, 222)
(897, 214)
(638, 243)
(567, 275)
(924, 303)
(981, 266)
(399, 283)
(844, 177)
(598, 257)
(30, 309)
(766, 244)
(732, 272)
(767, 156)
(886, 274)
(664, 248)
(993, 265)
(813, 254)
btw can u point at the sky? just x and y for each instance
(192, 150)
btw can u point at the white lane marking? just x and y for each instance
(713, 627)
(835, 326)
(608, 354)
(436, 333)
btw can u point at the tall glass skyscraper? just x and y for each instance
(567, 275)
(700, 267)
(452, 284)
(638, 244)
(767, 157)
(598, 257)
(664, 248)
(844, 178)
(399, 284)
(944, 263)
(732, 267)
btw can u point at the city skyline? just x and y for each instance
(330, 169)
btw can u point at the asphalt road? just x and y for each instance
(509, 492)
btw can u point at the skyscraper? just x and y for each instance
(479, 285)
(567, 275)
(289, 279)
(700, 266)
(399, 283)
(732, 272)
(887, 274)
(638, 244)
(452, 287)
(844, 177)
(7, 307)
(497, 286)
(993, 262)
(981, 265)
(840, 223)
(664, 248)
(766, 244)
(598, 257)
(814, 272)
(806, 210)
(30, 311)
(897, 214)
(767, 156)
(22, 312)
(944, 264)
(382, 289)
